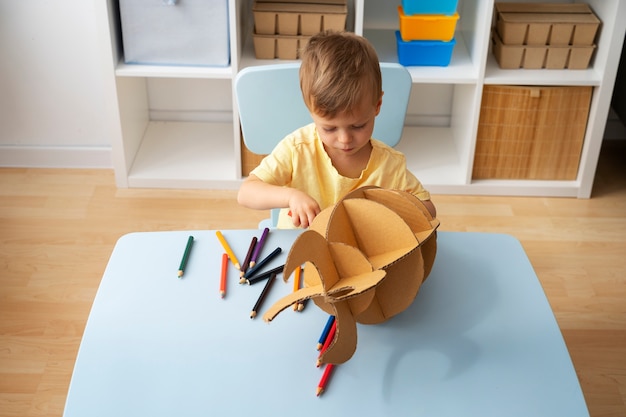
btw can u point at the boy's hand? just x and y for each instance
(302, 209)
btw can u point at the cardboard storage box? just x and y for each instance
(527, 132)
(176, 32)
(546, 23)
(304, 1)
(297, 18)
(541, 56)
(424, 53)
(446, 7)
(365, 259)
(427, 27)
(278, 46)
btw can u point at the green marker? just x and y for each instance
(183, 262)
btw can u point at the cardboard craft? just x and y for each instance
(365, 259)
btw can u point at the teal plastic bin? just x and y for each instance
(447, 7)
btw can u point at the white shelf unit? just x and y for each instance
(202, 149)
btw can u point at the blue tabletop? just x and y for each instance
(480, 339)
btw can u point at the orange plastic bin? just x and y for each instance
(423, 27)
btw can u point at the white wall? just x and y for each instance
(51, 85)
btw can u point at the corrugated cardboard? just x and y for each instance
(541, 56)
(366, 258)
(297, 18)
(278, 46)
(282, 29)
(546, 23)
(305, 1)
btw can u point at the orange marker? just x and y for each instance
(223, 276)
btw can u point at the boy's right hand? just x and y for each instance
(302, 209)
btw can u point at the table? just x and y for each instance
(480, 339)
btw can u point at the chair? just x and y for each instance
(271, 106)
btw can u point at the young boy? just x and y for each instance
(315, 166)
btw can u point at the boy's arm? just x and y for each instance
(257, 194)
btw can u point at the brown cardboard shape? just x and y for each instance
(365, 259)
(541, 56)
(297, 18)
(546, 23)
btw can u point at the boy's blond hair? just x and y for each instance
(339, 69)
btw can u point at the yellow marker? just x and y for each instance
(228, 250)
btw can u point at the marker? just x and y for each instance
(183, 262)
(227, 248)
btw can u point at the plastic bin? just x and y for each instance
(446, 7)
(175, 32)
(424, 53)
(427, 27)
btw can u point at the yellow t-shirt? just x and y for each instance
(300, 161)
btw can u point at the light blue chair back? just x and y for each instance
(271, 106)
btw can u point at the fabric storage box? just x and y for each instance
(424, 53)
(527, 132)
(446, 7)
(175, 32)
(546, 23)
(297, 18)
(541, 56)
(427, 27)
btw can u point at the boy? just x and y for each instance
(313, 167)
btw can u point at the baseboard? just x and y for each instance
(55, 156)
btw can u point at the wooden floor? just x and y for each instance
(58, 228)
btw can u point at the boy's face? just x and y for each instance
(348, 133)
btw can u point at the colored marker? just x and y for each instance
(183, 262)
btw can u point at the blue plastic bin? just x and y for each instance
(424, 53)
(447, 7)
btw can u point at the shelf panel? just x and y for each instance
(535, 188)
(495, 75)
(185, 155)
(461, 69)
(170, 71)
(432, 155)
